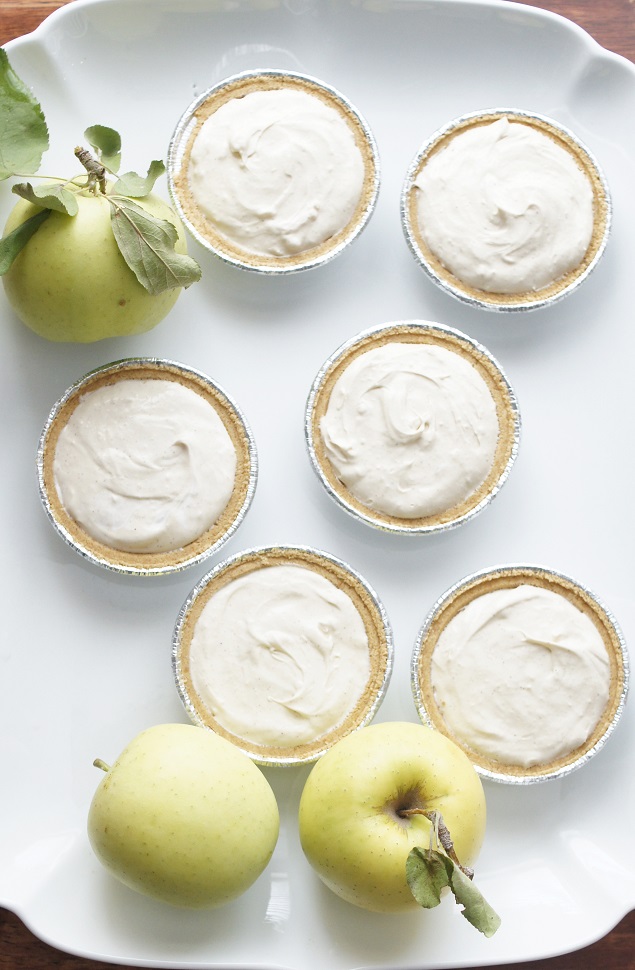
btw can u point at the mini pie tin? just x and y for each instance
(149, 564)
(202, 229)
(415, 331)
(506, 577)
(365, 600)
(529, 300)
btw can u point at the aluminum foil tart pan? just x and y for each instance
(120, 475)
(524, 669)
(492, 247)
(390, 489)
(252, 221)
(260, 636)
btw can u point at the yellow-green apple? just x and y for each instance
(71, 283)
(184, 816)
(355, 826)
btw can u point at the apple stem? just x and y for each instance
(96, 171)
(442, 833)
(98, 763)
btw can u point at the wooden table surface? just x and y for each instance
(612, 24)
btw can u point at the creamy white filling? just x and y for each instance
(410, 429)
(280, 656)
(521, 676)
(505, 208)
(144, 465)
(277, 172)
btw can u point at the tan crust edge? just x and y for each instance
(149, 561)
(600, 213)
(505, 410)
(220, 243)
(363, 602)
(509, 579)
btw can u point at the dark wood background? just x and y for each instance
(612, 24)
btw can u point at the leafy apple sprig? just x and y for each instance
(431, 870)
(145, 242)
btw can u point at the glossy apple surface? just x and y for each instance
(351, 829)
(185, 817)
(71, 283)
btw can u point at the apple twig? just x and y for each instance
(96, 171)
(442, 833)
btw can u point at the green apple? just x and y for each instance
(354, 829)
(184, 816)
(71, 283)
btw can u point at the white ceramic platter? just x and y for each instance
(86, 653)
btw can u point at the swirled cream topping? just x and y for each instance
(277, 172)
(410, 429)
(505, 208)
(280, 655)
(144, 465)
(521, 675)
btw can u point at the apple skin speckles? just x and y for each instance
(71, 284)
(349, 829)
(184, 817)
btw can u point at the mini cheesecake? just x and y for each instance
(506, 210)
(524, 669)
(282, 651)
(273, 171)
(412, 427)
(146, 466)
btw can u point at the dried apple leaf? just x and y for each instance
(23, 132)
(429, 871)
(147, 245)
(427, 876)
(476, 909)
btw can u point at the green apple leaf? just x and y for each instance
(55, 196)
(136, 186)
(23, 132)
(147, 245)
(14, 243)
(430, 871)
(107, 144)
